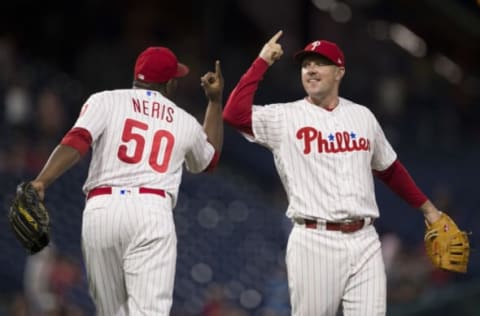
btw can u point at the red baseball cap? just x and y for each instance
(324, 48)
(158, 64)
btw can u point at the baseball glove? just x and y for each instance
(29, 219)
(447, 246)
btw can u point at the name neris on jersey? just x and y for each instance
(153, 109)
(334, 142)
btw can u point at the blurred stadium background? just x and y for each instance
(414, 63)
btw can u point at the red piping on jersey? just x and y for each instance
(213, 163)
(238, 109)
(397, 178)
(79, 139)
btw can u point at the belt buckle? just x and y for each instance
(350, 225)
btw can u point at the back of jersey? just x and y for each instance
(141, 139)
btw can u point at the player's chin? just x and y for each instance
(312, 90)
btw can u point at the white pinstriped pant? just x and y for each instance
(130, 248)
(329, 268)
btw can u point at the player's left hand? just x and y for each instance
(446, 245)
(212, 83)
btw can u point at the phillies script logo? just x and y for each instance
(337, 142)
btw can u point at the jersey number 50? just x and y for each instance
(162, 139)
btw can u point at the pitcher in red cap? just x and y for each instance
(140, 140)
(326, 150)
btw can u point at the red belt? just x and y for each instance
(108, 190)
(344, 227)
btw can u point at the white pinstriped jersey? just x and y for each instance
(141, 138)
(324, 158)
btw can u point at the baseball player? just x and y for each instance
(325, 149)
(140, 139)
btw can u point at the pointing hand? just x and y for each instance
(272, 51)
(212, 83)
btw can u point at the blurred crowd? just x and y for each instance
(432, 123)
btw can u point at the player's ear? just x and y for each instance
(340, 73)
(171, 87)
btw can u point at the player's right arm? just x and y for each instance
(62, 158)
(238, 109)
(74, 145)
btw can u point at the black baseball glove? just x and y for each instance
(29, 219)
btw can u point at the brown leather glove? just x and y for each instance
(446, 245)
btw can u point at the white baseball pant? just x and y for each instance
(130, 248)
(328, 268)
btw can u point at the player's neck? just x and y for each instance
(328, 103)
(160, 87)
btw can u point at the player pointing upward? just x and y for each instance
(140, 139)
(325, 148)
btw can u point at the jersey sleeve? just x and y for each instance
(383, 153)
(238, 109)
(201, 153)
(397, 178)
(93, 116)
(268, 125)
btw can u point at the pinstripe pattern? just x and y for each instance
(325, 161)
(330, 186)
(139, 139)
(129, 246)
(105, 120)
(328, 268)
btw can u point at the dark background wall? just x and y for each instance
(232, 229)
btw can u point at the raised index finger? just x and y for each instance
(218, 70)
(275, 37)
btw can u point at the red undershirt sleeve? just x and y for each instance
(238, 109)
(79, 139)
(397, 178)
(213, 163)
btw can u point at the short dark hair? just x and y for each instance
(149, 85)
